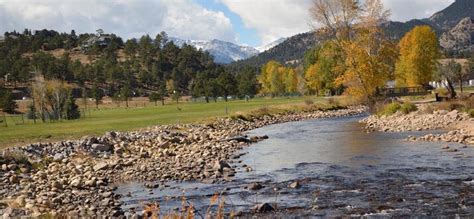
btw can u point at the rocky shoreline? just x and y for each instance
(76, 178)
(458, 124)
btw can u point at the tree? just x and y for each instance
(126, 94)
(227, 84)
(97, 94)
(8, 103)
(56, 95)
(368, 56)
(72, 109)
(446, 74)
(327, 66)
(337, 17)
(247, 83)
(291, 81)
(154, 97)
(419, 52)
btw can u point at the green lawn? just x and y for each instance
(124, 119)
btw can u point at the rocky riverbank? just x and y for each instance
(76, 177)
(459, 124)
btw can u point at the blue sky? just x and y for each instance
(245, 35)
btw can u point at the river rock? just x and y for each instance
(100, 166)
(101, 147)
(219, 165)
(294, 185)
(263, 208)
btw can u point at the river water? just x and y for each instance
(342, 170)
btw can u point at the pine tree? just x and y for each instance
(72, 109)
(8, 103)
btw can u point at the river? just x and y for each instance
(342, 171)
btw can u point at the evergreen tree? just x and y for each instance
(97, 94)
(8, 103)
(227, 84)
(72, 109)
(154, 97)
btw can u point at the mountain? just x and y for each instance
(223, 52)
(271, 45)
(396, 30)
(453, 14)
(460, 38)
(290, 51)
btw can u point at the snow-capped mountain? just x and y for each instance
(223, 52)
(271, 45)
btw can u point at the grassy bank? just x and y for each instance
(97, 122)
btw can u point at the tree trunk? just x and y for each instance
(162, 101)
(460, 85)
(450, 87)
(207, 99)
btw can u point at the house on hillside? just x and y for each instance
(100, 39)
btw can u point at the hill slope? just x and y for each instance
(453, 14)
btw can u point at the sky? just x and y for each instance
(245, 22)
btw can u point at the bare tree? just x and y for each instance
(340, 18)
(337, 17)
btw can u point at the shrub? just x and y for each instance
(471, 113)
(390, 109)
(308, 102)
(443, 92)
(408, 108)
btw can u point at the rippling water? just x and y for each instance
(342, 170)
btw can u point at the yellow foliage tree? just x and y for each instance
(369, 63)
(419, 52)
(276, 79)
(291, 81)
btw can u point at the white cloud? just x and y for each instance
(127, 18)
(403, 10)
(274, 19)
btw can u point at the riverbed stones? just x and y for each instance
(415, 121)
(74, 177)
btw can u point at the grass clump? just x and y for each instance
(408, 108)
(389, 109)
(471, 113)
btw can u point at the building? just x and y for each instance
(100, 39)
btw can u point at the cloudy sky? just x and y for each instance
(246, 22)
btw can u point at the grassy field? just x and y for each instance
(124, 119)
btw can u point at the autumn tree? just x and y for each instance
(328, 65)
(367, 54)
(419, 52)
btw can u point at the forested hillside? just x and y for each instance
(111, 66)
(290, 51)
